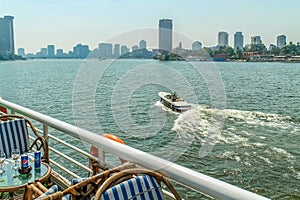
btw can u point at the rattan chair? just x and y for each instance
(108, 183)
(14, 135)
(84, 189)
(137, 183)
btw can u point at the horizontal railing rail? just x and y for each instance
(200, 182)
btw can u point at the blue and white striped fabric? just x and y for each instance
(13, 135)
(52, 190)
(139, 188)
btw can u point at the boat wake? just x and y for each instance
(252, 139)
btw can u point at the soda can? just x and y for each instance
(24, 161)
(37, 159)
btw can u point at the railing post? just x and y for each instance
(45, 131)
(101, 155)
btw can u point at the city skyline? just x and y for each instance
(65, 23)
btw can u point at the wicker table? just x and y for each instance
(12, 180)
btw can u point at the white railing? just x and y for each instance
(202, 183)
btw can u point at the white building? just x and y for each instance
(116, 50)
(105, 50)
(165, 34)
(7, 43)
(223, 38)
(134, 47)
(238, 41)
(124, 49)
(281, 41)
(256, 40)
(21, 52)
(143, 44)
(196, 46)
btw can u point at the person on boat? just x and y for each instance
(174, 96)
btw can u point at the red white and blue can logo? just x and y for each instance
(37, 159)
(24, 161)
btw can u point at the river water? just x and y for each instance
(243, 128)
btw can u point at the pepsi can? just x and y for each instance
(37, 159)
(24, 161)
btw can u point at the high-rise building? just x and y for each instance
(60, 53)
(256, 40)
(116, 50)
(44, 52)
(196, 46)
(21, 52)
(51, 50)
(124, 49)
(105, 50)
(238, 41)
(165, 34)
(81, 51)
(134, 48)
(223, 38)
(7, 43)
(143, 44)
(281, 41)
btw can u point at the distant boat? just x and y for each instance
(174, 102)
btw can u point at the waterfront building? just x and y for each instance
(21, 52)
(256, 40)
(105, 50)
(116, 50)
(223, 38)
(238, 40)
(124, 49)
(51, 50)
(196, 46)
(143, 44)
(81, 51)
(7, 43)
(272, 46)
(281, 41)
(165, 34)
(134, 47)
(59, 53)
(44, 52)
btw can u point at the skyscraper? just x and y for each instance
(124, 49)
(116, 50)
(7, 43)
(238, 41)
(281, 41)
(143, 44)
(105, 50)
(165, 34)
(256, 40)
(21, 52)
(51, 50)
(223, 38)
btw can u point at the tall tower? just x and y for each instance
(116, 50)
(143, 44)
(256, 40)
(238, 41)
(165, 34)
(7, 42)
(51, 50)
(222, 39)
(281, 41)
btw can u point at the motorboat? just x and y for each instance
(174, 102)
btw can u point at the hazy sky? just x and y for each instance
(65, 23)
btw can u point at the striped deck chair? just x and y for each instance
(14, 135)
(125, 185)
